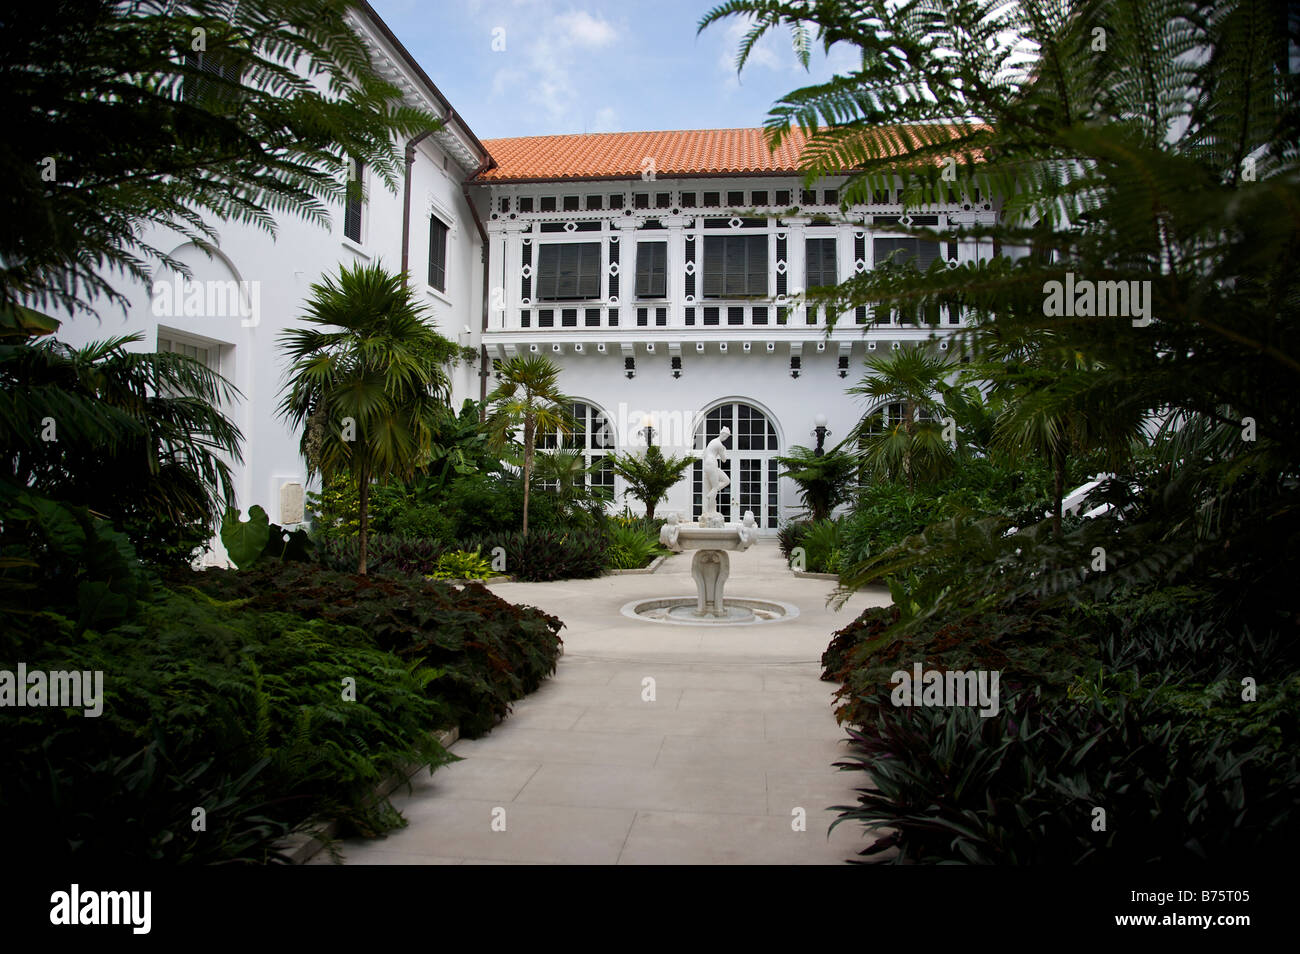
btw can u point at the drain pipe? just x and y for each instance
(488, 163)
(406, 204)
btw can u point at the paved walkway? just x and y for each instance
(740, 733)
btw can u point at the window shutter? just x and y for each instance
(735, 266)
(652, 270)
(568, 272)
(355, 197)
(820, 262)
(438, 254)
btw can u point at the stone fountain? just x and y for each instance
(712, 539)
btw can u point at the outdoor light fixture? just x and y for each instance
(746, 346)
(647, 425)
(820, 430)
(771, 346)
(629, 364)
(577, 348)
(677, 366)
(794, 367)
(844, 365)
(722, 346)
(601, 347)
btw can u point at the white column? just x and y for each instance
(794, 265)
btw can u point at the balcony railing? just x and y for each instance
(701, 314)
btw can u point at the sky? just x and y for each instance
(537, 67)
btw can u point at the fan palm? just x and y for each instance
(367, 383)
(912, 446)
(651, 475)
(137, 437)
(528, 399)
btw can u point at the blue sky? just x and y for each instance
(572, 66)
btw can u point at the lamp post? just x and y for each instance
(647, 425)
(821, 430)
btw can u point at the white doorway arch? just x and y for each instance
(751, 462)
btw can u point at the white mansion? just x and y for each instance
(659, 270)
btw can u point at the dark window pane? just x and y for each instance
(355, 200)
(438, 254)
(735, 266)
(820, 262)
(568, 272)
(652, 270)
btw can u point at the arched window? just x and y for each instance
(593, 437)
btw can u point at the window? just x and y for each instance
(593, 438)
(437, 253)
(652, 270)
(735, 266)
(919, 252)
(354, 200)
(205, 353)
(819, 259)
(568, 272)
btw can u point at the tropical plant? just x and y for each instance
(184, 117)
(137, 437)
(631, 548)
(528, 399)
(462, 565)
(914, 445)
(824, 480)
(650, 475)
(367, 382)
(1155, 182)
(564, 471)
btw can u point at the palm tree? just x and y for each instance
(137, 437)
(650, 475)
(528, 397)
(367, 382)
(567, 469)
(913, 445)
(823, 479)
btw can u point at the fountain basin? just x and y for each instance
(683, 611)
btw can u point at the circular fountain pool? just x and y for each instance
(682, 611)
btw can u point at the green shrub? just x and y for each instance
(1021, 787)
(791, 536)
(550, 554)
(424, 522)
(462, 565)
(491, 651)
(1028, 646)
(630, 547)
(216, 706)
(385, 555)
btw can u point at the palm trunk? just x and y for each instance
(528, 468)
(363, 496)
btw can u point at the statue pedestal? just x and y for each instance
(710, 567)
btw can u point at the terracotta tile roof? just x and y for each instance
(676, 153)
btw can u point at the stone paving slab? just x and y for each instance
(739, 735)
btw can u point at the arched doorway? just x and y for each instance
(751, 464)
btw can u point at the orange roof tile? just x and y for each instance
(676, 153)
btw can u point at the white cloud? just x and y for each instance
(606, 120)
(582, 29)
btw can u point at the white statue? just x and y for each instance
(748, 529)
(668, 532)
(714, 478)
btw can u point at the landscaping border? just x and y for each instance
(301, 847)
